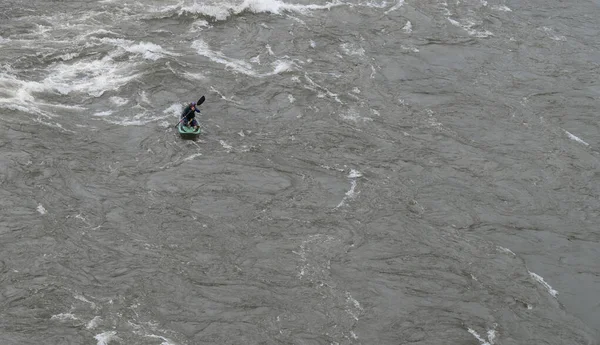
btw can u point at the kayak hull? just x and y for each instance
(187, 132)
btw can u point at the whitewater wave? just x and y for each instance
(147, 50)
(223, 10)
(105, 338)
(202, 48)
(86, 76)
(93, 77)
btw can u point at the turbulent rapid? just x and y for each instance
(368, 172)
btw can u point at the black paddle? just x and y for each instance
(200, 101)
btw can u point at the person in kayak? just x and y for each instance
(188, 116)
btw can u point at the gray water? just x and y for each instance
(369, 172)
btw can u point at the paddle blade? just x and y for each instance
(201, 100)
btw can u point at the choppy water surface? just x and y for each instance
(370, 172)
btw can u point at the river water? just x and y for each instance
(369, 172)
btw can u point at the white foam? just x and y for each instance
(350, 49)
(269, 50)
(144, 97)
(373, 72)
(148, 50)
(374, 4)
(52, 124)
(62, 106)
(228, 99)
(63, 317)
(445, 7)
(304, 252)
(256, 59)
(7, 68)
(106, 337)
(103, 113)
(119, 101)
(353, 301)
(541, 280)
(174, 109)
(468, 27)
(502, 8)
(577, 139)
(481, 340)
(226, 145)
(224, 9)
(351, 194)
(203, 49)
(93, 323)
(491, 335)
(80, 217)
(432, 121)
(506, 250)
(92, 77)
(412, 49)
(199, 25)
(68, 56)
(330, 168)
(354, 174)
(16, 94)
(219, 12)
(241, 66)
(275, 6)
(315, 87)
(550, 33)
(41, 209)
(4, 40)
(83, 299)
(166, 341)
(18, 91)
(98, 32)
(353, 115)
(354, 307)
(398, 4)
(407, 27)
(280, 67)
(189, 158)
(195, 76)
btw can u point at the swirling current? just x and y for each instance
(369, 172)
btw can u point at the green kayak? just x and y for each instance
(187, 132)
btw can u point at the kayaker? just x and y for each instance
(189, 115)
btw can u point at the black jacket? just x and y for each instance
(188, 113)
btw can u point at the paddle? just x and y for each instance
(200, 101)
